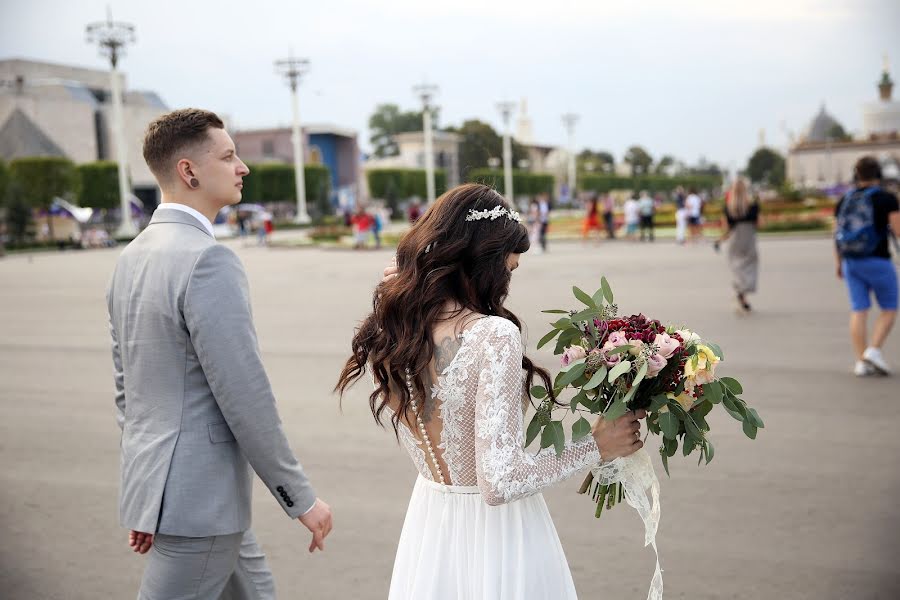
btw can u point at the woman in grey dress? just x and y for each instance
(739, 223)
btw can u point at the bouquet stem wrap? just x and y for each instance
(635, 473)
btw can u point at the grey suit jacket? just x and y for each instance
(194, 403)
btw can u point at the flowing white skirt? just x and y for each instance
(455, 546)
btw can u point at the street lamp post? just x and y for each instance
(426, 92)
(506, 109)
(570, 120)
(112, 37)
(293, 69)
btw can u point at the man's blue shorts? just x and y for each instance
(867, 275)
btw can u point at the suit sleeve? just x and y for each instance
(118, 376)
(219, 320)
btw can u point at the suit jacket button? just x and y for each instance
(280, 489)
(289, 503)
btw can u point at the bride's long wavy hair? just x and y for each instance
(443, 258)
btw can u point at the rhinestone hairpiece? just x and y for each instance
(493, 214)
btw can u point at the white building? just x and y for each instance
(48, 109)
(411, 154)
(822, 159)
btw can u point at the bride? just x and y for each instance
(451, 375)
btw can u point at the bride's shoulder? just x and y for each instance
(492, 326)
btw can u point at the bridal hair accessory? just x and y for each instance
(493, 214)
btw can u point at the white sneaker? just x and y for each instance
(874, 359)
(862, 369)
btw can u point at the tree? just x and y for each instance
(479, 143)
(98, 187)
(639, 160)
(4, 181)
(387, 121)
(663, 165)
(43, 179)
(766, 166)
(596, 162)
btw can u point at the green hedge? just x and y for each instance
(524, 183)
(651, 183)
(43, 178)
(4, 180)
(394, 185)
(98, 184)
(276, 183)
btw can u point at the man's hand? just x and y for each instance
(318, 521)
(139, 541)
(839, 270)
(619, 437)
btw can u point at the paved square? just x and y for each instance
(807, 511)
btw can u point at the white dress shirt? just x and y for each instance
(191, 211)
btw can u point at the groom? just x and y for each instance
(196, 410)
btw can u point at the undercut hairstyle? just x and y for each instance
(867, 169)
(173, 133)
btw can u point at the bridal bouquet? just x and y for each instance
(615, 364)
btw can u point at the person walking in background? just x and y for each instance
(632, 216)
(377, 225)
(362, 226)
(609, 215)
(647, 210)
(693, 207)
(534, 224)
(739, 222)
(544, 216)
(866, 217)
(680, 215)
(414, 211)
(591, 217)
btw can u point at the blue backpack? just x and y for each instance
(856, 235)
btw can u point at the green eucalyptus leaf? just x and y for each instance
(563, 323)
(582, 297)
(618, 370)
(576, 370)
(559, 436)
(713, 392)
(702, 409)
(547, 338)
(710, 451)
(733, 385)
(619, 349)
(665, 462)
(555, 311)
(580, 429)
(547, 435)
(596, 379)
(534, 428)
(538, 392)
(754, 418)
(670, 446)
(641, 372)
(586, 315)
(607, 291)
(750, 430)
(716, 350)
(668, 423)
(598, 297)
(657, 402)
(616, 410)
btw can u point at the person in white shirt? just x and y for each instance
(694, 207)
(632, 217)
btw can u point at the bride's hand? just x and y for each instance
(390, 271)
(619, 437)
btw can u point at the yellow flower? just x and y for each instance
(705, 369)
(685, 400)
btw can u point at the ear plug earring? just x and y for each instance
(194, 183)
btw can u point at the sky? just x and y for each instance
(689, 78)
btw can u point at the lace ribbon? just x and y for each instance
(635, 473)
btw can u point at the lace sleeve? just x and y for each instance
(506, 471)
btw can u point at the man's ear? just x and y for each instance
(184, 169)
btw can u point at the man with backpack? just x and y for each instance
(867, 218)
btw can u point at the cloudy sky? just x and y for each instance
(689, 78)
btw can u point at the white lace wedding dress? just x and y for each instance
(485, 533)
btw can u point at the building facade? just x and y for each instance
(825, 155)
(48, 109)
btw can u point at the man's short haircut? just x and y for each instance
(172, 133)
(867, 169)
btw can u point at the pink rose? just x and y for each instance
(611, 359)
(667, 345)
(655, 364)
(617, 338)
(572, 354)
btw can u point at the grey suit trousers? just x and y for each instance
(222, 567)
